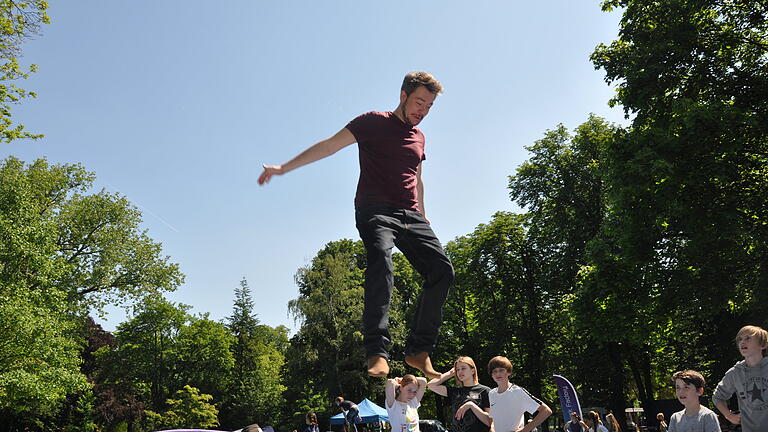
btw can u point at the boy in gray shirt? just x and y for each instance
(748, 379)
(689, 386)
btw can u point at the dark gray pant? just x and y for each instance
(382, 228)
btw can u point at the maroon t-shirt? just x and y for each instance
(390, 153)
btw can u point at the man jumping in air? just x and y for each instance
(389, 211)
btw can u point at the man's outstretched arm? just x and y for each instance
(318, 151)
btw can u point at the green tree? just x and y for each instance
(563, 188)
(19, 20)
(187, 409)
(115, 402)
(495, 305)
(204, 356)
(255, 389)
(326, 357)
(61, 251)
(55, 236)
(688, 180)
(147, 348)
(39, 355)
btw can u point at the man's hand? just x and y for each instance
(269, 171)
(733, 418)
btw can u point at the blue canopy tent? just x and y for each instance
(369, 412)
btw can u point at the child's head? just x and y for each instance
(500, 368)
(751, 338)
(407, 389)
(689, 386)
(466, 371)
(339, 400)
(311, 418)
(592, 419)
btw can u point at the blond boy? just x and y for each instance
(748, 379)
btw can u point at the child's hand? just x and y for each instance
(463, 409)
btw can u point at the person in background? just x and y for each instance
(351, 412)
(613, 424)
(592, 419)
(310, 421)
(662, 422)
(575, 424)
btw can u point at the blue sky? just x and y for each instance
(176, 104)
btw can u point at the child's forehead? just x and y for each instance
(681, 382)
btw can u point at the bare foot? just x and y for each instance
(378, 366)
(422, 362)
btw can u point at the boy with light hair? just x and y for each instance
(748, 379)
(509, 402)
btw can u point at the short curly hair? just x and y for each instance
(413, 80)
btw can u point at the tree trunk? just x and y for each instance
(617, 399)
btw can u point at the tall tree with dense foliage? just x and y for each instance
(255, 389)
(62, 251)
(147, 348)
(39, 355)
(116, 401)
(689, 181)
(496, 306)
(57, 236)
(204, 356)
(562, 186)
(326, 356)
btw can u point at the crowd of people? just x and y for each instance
(477, 408)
